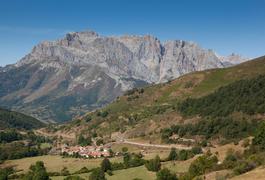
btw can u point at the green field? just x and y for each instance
(56, 163)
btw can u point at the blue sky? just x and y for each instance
(225, 26)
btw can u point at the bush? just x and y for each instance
(117, 166)
(153, 164)
(173, 155)
(202, 164)
(99, 142)
(102, 114)
(37, 172)
(82, 170)
(183, 155)
(97, 174)
(82, 141)
(196, 150)
(165, 174)
(243, 167)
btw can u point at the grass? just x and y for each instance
(256, 174)
(56, 163)
(129, 174)
(131, 148)
(126, 174)
(84, 175)
(178, 166)
(45, 145)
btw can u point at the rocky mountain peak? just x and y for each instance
(84, 71)
(232, 59)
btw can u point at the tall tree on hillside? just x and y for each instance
(105, 165)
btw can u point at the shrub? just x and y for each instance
(153, 164)
(196, 150)
(37, 172)
(243, 167)
(82, 170)
(82, 141)
(202, 164)
(173, 155)
(97, 174)
(165, 174)
(99, 142)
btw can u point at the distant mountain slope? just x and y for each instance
(146, 111)
(12, 119)
(83, 71)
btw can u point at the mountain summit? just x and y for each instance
(64, 78)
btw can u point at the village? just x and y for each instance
(86, 151)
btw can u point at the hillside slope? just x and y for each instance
(146, 111)
(12, 119)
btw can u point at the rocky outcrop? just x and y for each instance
(84, 71)
(232, 59)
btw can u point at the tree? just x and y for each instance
(99, 142)
(105, 165)
(173, 155)
(196, 150)
(259, 138)
(82, 141)
(165, 174)
(37, 172)
(183, 155)
(97, 174)
(153, 164)
(126, 159)
(3, 174)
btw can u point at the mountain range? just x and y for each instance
(61, 79)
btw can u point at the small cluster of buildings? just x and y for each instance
(86, 151)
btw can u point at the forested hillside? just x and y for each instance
(246, 96)
(11, 119)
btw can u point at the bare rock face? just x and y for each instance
(232, 59)
(83, 71)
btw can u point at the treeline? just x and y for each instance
(224, 127)
(9, 136)
(247, 96)
(14, 145)
(12, 119)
